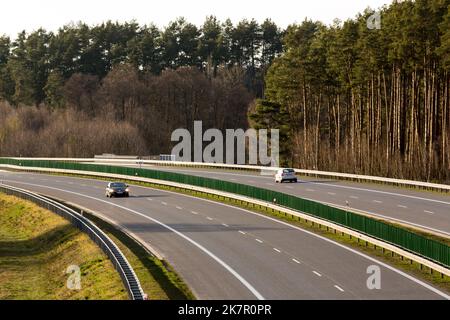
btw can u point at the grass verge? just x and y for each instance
(411, 267)
(36, 248)
(157, 277)
(388, 257)
(316, 176)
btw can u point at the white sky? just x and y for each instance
(18, 15)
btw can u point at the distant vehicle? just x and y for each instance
(285, 175)
(117, 189)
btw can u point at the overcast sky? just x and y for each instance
(18, 15)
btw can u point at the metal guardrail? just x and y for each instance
(402, 252)
(315, 173)
(411, 241)
(117, 258)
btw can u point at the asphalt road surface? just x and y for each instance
(224, 252)
(423, 209)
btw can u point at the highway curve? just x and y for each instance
(224, 252)
(426, 210)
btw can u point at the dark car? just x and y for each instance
(117, 189)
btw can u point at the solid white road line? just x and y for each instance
(330, 185)
(382, 192)
(193, 242)
(405, 275)
(326, 184)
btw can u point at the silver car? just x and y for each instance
(285, 175)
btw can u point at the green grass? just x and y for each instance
(37, 246)
(413, 268)
(306, 176)
(157, 277)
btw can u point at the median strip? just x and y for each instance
(315, 212)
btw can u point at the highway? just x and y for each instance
(423, 209)
(224, 252)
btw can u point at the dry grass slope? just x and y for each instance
(37, 246)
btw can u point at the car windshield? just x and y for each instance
(288, 171)
(118, 185)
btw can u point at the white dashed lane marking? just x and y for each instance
(179, 208)
(430, 212)
(277, 250)
(225, 225)
(260, 241)
(164, 203)
(194, 212)
(354, 197)
(296, 261)
(339, 288)
(402, 206)
(331, 193)
(377, 201)
(209, 218)
(241, 232)
(310, 190)
(317, 274)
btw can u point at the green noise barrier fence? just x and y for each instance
(428, 248)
